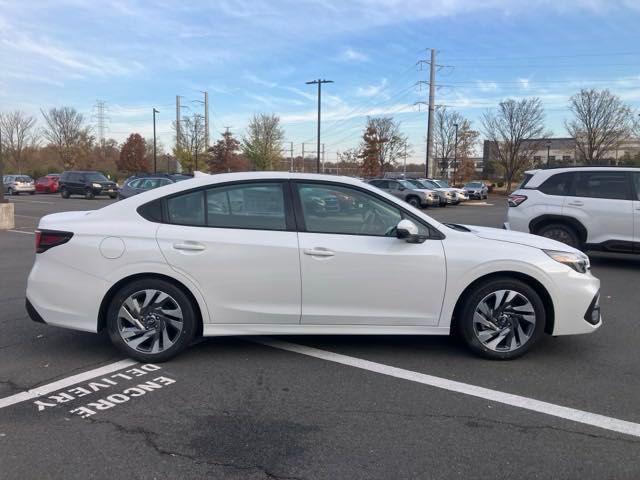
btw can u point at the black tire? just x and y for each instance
(562, 233)
(190, 319)
(64, 193)
(113, 196)
(88, 194)
(10, 191)
(32, 193)
(414, 201)
(464, 324)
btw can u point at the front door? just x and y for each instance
(354, 269)
(238, 243)
(636, 211)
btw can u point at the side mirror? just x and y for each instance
(409, 231)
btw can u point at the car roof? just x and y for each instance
(539, 176)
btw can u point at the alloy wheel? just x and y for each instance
(150, 321)
(504, 320)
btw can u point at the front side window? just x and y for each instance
(636, 181)
(95, 177)
(258, 206)
(344, 210)
(611, 185)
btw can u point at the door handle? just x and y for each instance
(189, 247)
(319, 252)
(576, 204)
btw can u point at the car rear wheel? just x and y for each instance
(561, 233)
(501, 319)
(32, 193)
(88, 194)
(11, 191)
(151, 320)
(64, 193)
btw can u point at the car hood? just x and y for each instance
(521, 238)
(423, 190)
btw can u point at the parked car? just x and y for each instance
(17, 184)
(138, 185)
(48, 183)
(442, 199)
(89, 183)
(461, 195)
(162, 267)
(477, 190)
(450, 195)
(589, 208)
(417, 197)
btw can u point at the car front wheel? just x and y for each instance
(414, 202)
(151, 320)
(501, 319)
(88, 194)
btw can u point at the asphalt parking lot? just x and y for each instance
(311, 408)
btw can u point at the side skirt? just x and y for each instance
(219, 329)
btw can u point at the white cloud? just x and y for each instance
(351, 55)
(489, 86)
(524, 83)
(372, 90)
(259, 81)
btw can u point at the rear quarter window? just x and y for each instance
(558, 184)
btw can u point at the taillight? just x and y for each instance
(46, 239)
(515, 200)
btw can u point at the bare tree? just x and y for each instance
(601, 123)
(262, 142)
(514, 133)
(65, 131)
(445, 137)
(17, 135)
(383, 136)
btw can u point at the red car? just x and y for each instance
(47, 184)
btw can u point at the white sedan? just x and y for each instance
(256, 253)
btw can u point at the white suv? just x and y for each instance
(590, 208)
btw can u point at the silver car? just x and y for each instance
(17, 184)
(417, 197)
(477, 190)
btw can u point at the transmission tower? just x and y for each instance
(101, 119)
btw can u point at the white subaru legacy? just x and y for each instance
(282, 253)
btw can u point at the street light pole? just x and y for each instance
(455, 155)
(1, 170)
(154, 141)
(319, 82)
(548, 151)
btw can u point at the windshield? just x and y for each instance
(429, 184)
(442, 183)
(96, 177)
(23, 178)
(415, 183)
(473, 185)
(406, 184)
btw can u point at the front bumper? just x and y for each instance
(576, 297)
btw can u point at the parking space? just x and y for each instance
(317, 407)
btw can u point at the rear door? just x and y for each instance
(636, 211)
(239, 244)
(602, 201)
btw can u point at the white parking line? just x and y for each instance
(63, 383)
(31, 201)
(580, 416)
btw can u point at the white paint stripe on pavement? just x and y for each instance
(20, 231)
(580, 416)
(64, 383)
(31, 201)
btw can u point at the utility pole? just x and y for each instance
(302, 158)
(206, 120)
(404, 165)
(291, 155)
(319, 82)
(155, 168)
(2, 200)
(432, 106)
(178, 123)
(323, 158)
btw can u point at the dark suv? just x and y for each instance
(88, 184)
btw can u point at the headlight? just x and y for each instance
(578, 261)
(96, 185)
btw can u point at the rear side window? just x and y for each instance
(187, 209)
(559, 184)
(252, 206)
(525, 180)
(636, 181)
(611, 185)
(384, 184)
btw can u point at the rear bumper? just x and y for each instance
(33, 313)
(23, 189)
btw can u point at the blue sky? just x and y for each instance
(255, 57)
